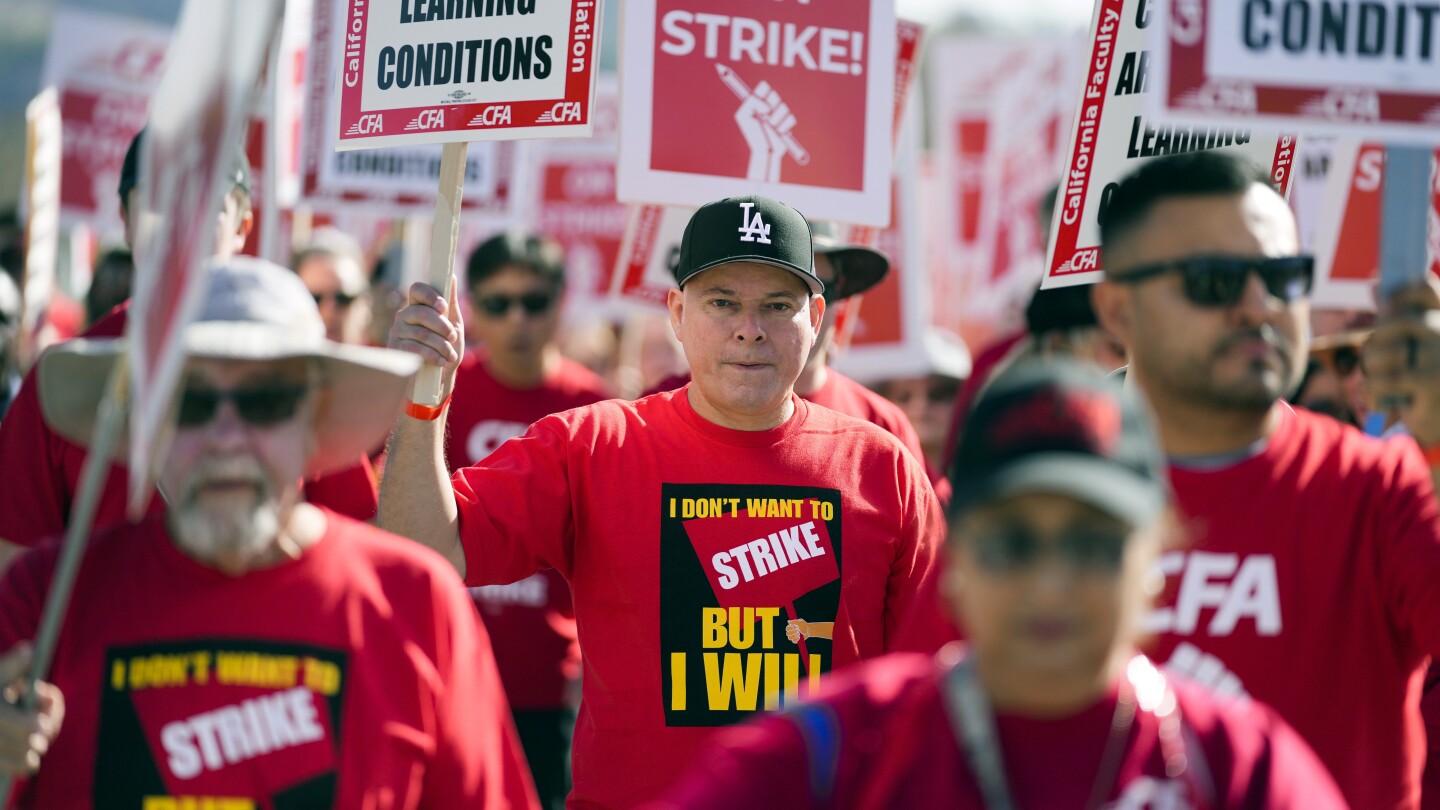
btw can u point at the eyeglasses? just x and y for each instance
(261, 406)
(1012, 549)
(341, 299)
(1219, 281)
(534, 303)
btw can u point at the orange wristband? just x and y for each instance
(426, 413)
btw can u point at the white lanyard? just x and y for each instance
(1143, 688)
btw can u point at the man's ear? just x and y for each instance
(675, 303)
(1114, 308)
(817, 313)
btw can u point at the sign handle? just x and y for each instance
(443, 236)
(1404, 212)
(1405, 206)
(109, 420)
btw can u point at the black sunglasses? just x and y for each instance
(1219, 281)
(1011, 549)
(341, 299)
(496, 306)
(261, 407)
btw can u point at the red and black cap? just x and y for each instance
(747, 229)
(1058, 427)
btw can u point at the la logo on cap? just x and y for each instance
(753, 228)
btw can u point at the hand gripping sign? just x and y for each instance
(448, 71)
(1366, 68)
(789, 99)
(1113, 135)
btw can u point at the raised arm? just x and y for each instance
(416, 499)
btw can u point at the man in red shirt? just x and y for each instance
(1059, 510)
(515, 377)
(1311, 579)
(700, 529)
(244, 647)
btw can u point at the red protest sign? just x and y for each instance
(1347, 236)
(448, 73)
(195, 127)
(720, 101)
(104, 67)
(1359, 68)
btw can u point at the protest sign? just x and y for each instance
(1363, 68)
(1348, 230)
(393, 181)
(649, 252)
(1113, 135)
(887, 331)
(103, 66)
(436, 72)
(998, 124)
(195, 126)
(790, 100)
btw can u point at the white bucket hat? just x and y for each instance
(253, 310)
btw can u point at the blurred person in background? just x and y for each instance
(331, 265)
(1334, 382)
(386, 298)
(1059, 513)
(110, 284)
(928, 399)
(320, 661)
(516, 375)
(1061, 321)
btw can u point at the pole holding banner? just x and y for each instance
(1405, 213)
(443, 235)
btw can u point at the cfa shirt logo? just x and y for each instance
(753, 228)
(487, 436)
(1235, 588)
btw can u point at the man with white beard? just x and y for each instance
(244, 647)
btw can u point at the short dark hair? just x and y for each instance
(537, 254)
(1192, 174)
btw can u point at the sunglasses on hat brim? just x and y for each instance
(1219, 281)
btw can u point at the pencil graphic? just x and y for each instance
(737, 86)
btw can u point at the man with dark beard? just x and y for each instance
(243, 643)
(1311, 575)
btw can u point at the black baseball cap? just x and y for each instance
(1056, 426)
(1060, 308)
(857, 268)
(239, 173)
(747, 229)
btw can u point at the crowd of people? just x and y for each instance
(1142, 553)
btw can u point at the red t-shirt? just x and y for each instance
(840, 393)
(531, 622)
(355, 676)
(1312, 582)
(41, 470)
(690, 548)
(881, 736)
